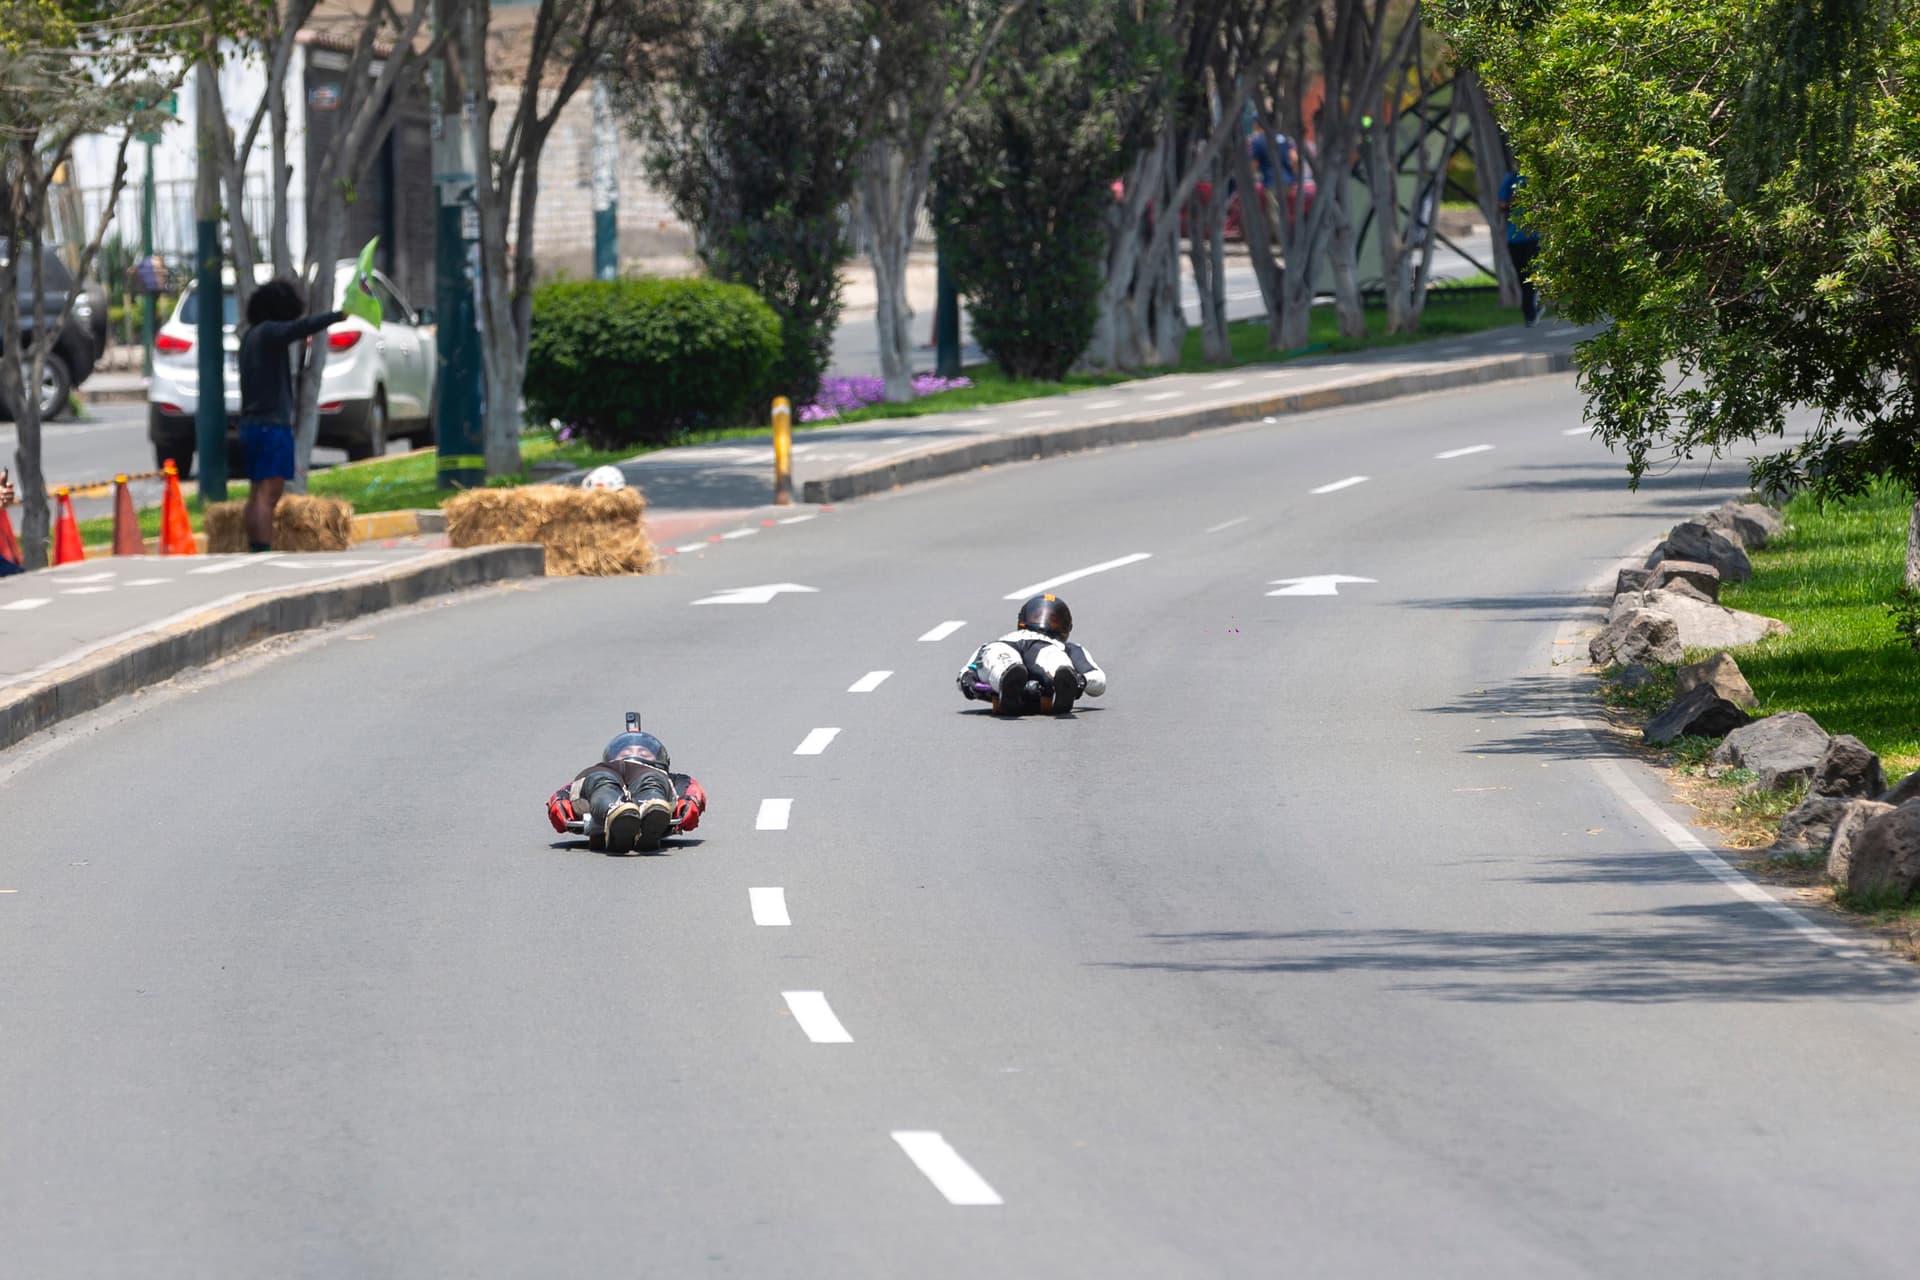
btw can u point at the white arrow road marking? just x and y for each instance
(942, 631)
(769, 906)
(816, 742)
(951, 1176)
(1461, 453)
(21, 606)
(1325, 584)
(1077, 574)
(815, 1016)
(755, 595)
(1338, 485)
(869, 682)
(773, 815)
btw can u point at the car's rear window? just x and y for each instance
(189, 312)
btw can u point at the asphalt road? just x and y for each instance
(1322, 945)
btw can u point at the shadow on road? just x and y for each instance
(1532, 699)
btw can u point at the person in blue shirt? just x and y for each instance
(1522, 245)
(276, 319)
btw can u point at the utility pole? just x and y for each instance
(946, 314)
(210, 422)
(147, 316)
(606, 185)
(459, 397)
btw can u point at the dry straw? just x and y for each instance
(300, 523)
(587, 532)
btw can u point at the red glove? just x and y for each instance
(694, 803)
(560, 810)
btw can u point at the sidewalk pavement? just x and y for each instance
(114, 386)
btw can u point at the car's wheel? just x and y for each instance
(373, 442)
(56, 388)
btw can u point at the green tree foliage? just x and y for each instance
(1024, 176)
(754, 136)
(632, 362)
(1737, 189)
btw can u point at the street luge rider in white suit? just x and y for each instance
(1034, 662)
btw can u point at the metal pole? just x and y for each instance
(147, 314)
(782, 452)
(210, 422)
(606, 185)
(458, 421)
(946, 315)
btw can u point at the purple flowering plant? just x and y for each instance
(844, 395)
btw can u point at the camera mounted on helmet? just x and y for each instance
(1048, 615)
(633, 744)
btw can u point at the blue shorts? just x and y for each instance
(269, 452)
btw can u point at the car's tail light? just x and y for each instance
(171, 344)
(333, 406)
(171, 410)
(341, 339)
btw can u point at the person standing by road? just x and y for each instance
(276, 319)
(7, 499)
(1522, 245)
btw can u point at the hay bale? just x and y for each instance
(300, 523)
(588, 532)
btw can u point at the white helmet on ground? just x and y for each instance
(604, 478)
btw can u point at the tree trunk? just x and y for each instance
(29, 478)
(325, 230)
(1259, 243)
(1206, 222)
(888, 202)
(1383, 185)
(1913, 548)
(1347, 306)
(1490, 163)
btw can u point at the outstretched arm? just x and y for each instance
(286, 332)
(561, 809)
(691, 804)
(1083, 663)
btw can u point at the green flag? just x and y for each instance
(359, 299)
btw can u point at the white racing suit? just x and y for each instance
(1018, 662)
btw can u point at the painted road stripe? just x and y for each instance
(1077, 574)
(77, 579)
(815, 1016)
(1225, 384)
(816, 742)
(1043, 413)
(769, 906)
(238, 562)
(773, 815)
(1106, 404)
(1578, 431)
(1338, 485)
(1164, 395)
(869, 682)
(21, 606)
(798, 519)
(1461, 453)
(1228, 524)
(951, 1176)
(942, 631)
(691, 547)
(150, 582)
(738, 533)
(85, 591)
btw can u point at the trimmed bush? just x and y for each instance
(632, 362)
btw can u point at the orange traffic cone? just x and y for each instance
(176, 531)
(126, 525)
(66, 532)
(9, 545)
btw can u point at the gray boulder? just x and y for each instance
(1906, 791)
(1854, 815)
(1693, 541)
(1810, 824)
(1848, 769)
(1638, 635)
(1699, 713)
(1671, 575)
(1634, 675)
(1748, 523)
(1632, 580)
(1622, 603)
(1884, 858)
(1781, 750)
(1722, 674)
(1705, 625)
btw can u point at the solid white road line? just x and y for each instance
(1461, 453)
(1077, 574)
(1338, 485)
(811, 1011)
(951, 1176)
(773, 815)
(869, 682)
(32, 602)
(942, 631)
(816, 742)
(769, 906)
(1228, 524)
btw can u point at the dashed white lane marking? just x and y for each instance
(798, 519)
(816, 742)
(869, 682)
(690, 548)
(975, 422)
(951, 1176)
(1338, 485)
(1461, 453)
(1225, 384)
(773, 815)
(815, 1016)
(737, 533)
(322, 564)
(1578, 431)
(769, 907)
(85, 591)
(1228, 524)
(1039, 414)
(150, 582)
(239, 562)
(1163, 395)
(1078, 574)
(942, 631)
(1106, 404)
(77, 579)
(32, 602)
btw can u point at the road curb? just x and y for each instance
(150, 657)
(940, 460)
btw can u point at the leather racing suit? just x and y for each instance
(1010, 663)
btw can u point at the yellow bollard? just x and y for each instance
(782, 452)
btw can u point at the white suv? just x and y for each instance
(378, 383)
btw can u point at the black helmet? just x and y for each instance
(1048, 615)
(638, 746)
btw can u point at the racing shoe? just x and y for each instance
(1011, 685)
(656, 819)
(624, 827)
(1067, 688)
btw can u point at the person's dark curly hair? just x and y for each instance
(278, 299)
